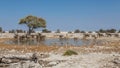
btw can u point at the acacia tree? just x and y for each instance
(77, 31)
(33, 22)
(58, 31)
(46, 31)
(0, 29)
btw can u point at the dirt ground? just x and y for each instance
(106, 55)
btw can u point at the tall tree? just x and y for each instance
(82, 31)
(77, 31)
(112, 30)
(46, 31)
(119, 31)
(33, 22)
(101, 31)
(0, 29)
(58, 31)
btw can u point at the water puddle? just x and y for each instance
(78, 42)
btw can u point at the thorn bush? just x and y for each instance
(69, 53)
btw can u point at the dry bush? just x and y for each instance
(70, 52)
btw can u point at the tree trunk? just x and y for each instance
(32, 30)
(29, 31)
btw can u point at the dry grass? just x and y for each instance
(26, 48)
(40, 48)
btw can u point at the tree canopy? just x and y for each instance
(0, 29)
(107, 31)
(33, 22)
(58, 31)
(77, 31)
(46, 31)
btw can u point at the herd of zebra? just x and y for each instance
(39, 36)
(99, 35)
(86, 36)
(92, 35)
(26, 37)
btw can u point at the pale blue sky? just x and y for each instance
(66, 15)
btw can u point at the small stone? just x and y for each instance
(116, 61)
(6, 60)
(26, 64)
(52, 63)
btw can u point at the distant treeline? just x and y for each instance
(59, 31)
(99, 31)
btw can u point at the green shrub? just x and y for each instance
(70, 52)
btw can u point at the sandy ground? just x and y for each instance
(90, 60)
(93, 56)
